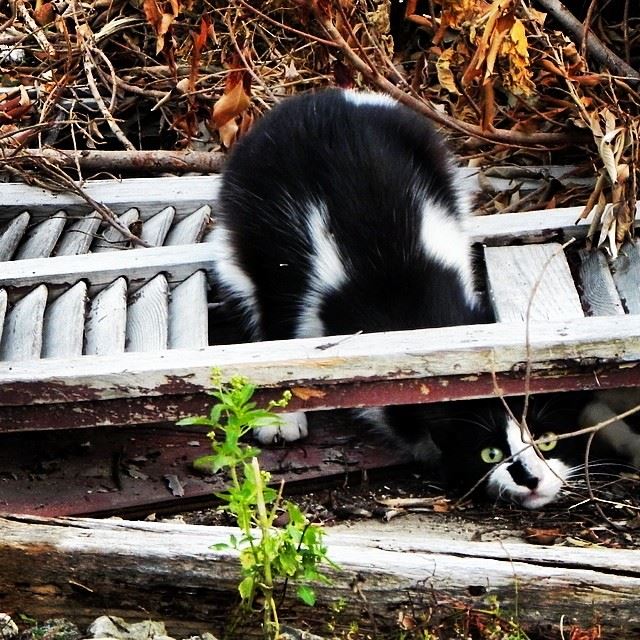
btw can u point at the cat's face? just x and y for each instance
(481, 443)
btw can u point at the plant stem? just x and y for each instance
(270, 612)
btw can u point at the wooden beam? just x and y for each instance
(403, 355)
(139, 569)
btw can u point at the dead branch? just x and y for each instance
(371, 73)
(594, 45)
(144, 161)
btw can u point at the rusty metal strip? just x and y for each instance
(139, 470)
(154, 410)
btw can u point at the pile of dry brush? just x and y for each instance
(150, 85)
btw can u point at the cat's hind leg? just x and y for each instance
(292, 427)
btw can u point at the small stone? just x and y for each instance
(8, 628)
(114, 627)
(58, 629)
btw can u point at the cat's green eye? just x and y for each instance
(492, 455)
(548, 446)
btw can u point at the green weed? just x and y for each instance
(268, 556)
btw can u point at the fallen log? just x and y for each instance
(138, 570)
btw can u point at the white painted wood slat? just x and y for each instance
(78, 237)
(3, 310)
(155, 229)
(107, 320)
(188, 321)
(177, 263)
(515, 274)
(190, 229)
(598, 292)
(626, 275)
(148, 195)
(41, 240)
(148, 317)
(110, 239)
(22, 335)
(12, 234)
(402, 355)
(64, 324)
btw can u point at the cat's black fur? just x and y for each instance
(341, 212)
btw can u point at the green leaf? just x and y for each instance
(307, 595)
(245, 588)
(194, 420)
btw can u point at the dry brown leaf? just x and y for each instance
(306, 393)
(227, 109)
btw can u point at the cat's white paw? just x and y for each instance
(293, 427)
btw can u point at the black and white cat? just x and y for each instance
(341, 212)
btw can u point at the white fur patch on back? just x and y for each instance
(445, 241)
(369, 98)
(233, 277)
(327, 272)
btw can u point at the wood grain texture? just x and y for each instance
(64, 322)
(148, 195)
(12, 234)
(188, 313)
(531, 282)
(105, 327)
(626, 275)
(402, 355)
(178, 263)
(41, 239)
(156, 228)
(598, 291)
(3, 310)
(77, 239)
(148, 317)
(134, 567)
(191, 228)
(110, 239)
(22, 335)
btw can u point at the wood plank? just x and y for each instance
(107, 320)
(598, 291)
(64, 324)
(626, 275)
(191, 228)
(177, 263)
(155, 229)
(148, 195)
(3, 310)
(466, 351)
(22, 335)
(188, 314)
(130, 567)
(533, 226)
(12, 234)
(110, 239)
(41, 240)
(531, 282)
(148, 317)
(77, 239)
